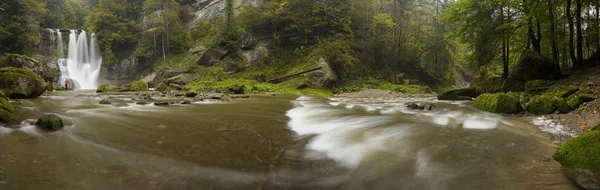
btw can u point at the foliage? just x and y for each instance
(21, 24)
(138, 86)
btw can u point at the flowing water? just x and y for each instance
(83, 61)
(274, 143)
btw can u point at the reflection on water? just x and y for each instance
(274, 143)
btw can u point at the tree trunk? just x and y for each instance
(504, 53)
(571, 35)
(597, 24)
(579, 33)
(553, 30)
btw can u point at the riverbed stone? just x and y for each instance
(161, 103)
(103, 88)
(459, 94)
(186, 102)
(586, 97)
(579, 157)
(105, 102)
(191, 94)
(534, 65)
(21, 83)
(540, 105)
(50, 122)
(119, 105)
(141, 103)
(498, 103)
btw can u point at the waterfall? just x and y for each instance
(82, 64)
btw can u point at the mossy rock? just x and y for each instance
(50, 122)
(586, 97)
(162, 87)
(580, 158)
(21, 83)
(5, 116)
(191, 94)
(492, 85)
(537, 85)
(459, 94)
(6, 105)
(2, 95)
(574, 102)
(540, 105)
(25, 62)
(138, 86)
(104, 88)
(561, 105)
(237, 89)
(563, 91)
(534, 65)
(513, 85)
(498, 103)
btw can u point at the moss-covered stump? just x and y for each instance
(21, 83)
(574, 102)
(580, 158)
(498, 103)
(50, 122)
(103, 88)
(540, 105)
(459, 94)
(138, 86)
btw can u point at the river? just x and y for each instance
(274, 142)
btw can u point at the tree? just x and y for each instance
(20, 24)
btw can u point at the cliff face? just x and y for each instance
(210, 9)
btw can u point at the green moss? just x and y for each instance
(50, 122)
(162, 87)
(5, 116)
(21, 83)
(2, 95)
(586, 97)
(561, 105)
(537, 85)
(234, 86)
(6, 105)
(573, 101)
(579, 157)
(138, 86)
(498, 103)
(540, 105)
(563, 91)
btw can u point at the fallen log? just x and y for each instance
(281, 79)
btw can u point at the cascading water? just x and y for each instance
(83, 61)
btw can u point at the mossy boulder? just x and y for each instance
(138, 86)
(24, 62)
(564, 91)
(580, 158)
(21, 83)
(162, 87)
(237, 89)
(459, 94)
(537, 85)
(6, 105)
(104, 88)
(574, 102)
(534, 65)
(498, 103)
(561, 105)
(512, 84)
(5, 116)
(50, 122)
(540, 105)
(586, 97)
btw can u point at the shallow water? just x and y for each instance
(274, 143)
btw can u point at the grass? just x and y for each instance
(382, 85)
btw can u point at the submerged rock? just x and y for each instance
(120, 105)
(186, 102)
(419, 106)
(533, 65)
(50, 122)
(161, 103)
(459, 94)
(21, 83)
(498, 103)
(141, 103)
(105, 102)
(580, 159)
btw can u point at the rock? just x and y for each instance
(323, 77)
(149, 79)
(419, 106)
(459, 94)
(141, 103)
(197, 49)
(5, 116)
(428, 107)
(6, 105)
(24, 62)
(512, 84)
(162, 87)
(579, 158)
(162, 75)
(492, 85)
(103, 88)
(540, 105)
(50, 122)
(138, 86)
(186, 102)
(573, 102)
(211, 55)
(537, 85)
(586, 97)
(533, 65)
(105, 102)
(561, 105)
(176, 87)
(564, 91)
(248, 41)
(118, 105)
(498, 103)
(190, 94)
(181, 79)
(29, 122)
(237, 89)
(411, 105)
(161, 103)
(251, 56)
(238, 96)
(21, 83)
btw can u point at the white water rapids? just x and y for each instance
(82, 64)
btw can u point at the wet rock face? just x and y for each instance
(50, 122)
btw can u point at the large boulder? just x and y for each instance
(211, 55)
(251, 56)
(21, 83)
(103, 88)
(498, 103)
(50, 122)
(459, 94)
(540, 105)
(322, 77)
(580, 158)
(512, 84)
(138, 86)
(24, 62)
(248, 41)
(533, 65)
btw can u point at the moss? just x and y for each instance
(561, 105)
(586, 97)
(492, 85)
(498, 103)
(2, 95)
(50, 122)
(513, 85)
(103, 88)
(238, 86)
(6, 105)
(563, 91)
(573, 101)
(138, 86)
(579, 158)
(537, 85)
(162, 87)
(5, 116)
(21, 83)
(540, 105)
